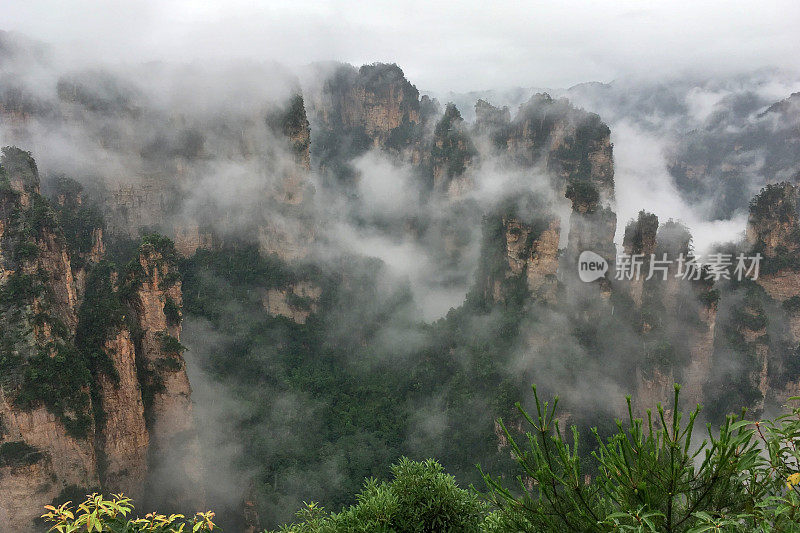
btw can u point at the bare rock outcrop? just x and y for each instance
(452, 153)
(374, 101)
(296, 302)
(640, 240)
(571, 144)
(165, 384)
(772, 227)
(519, 256)
(123, 437)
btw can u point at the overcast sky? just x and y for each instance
(442, 46)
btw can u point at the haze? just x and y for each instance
(446, 46)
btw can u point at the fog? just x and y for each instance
(442, 46)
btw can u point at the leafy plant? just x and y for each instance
(99, 514)
(452, 147)
(653, 476)
(420, 498)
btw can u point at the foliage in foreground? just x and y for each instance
(652, 475)
(112, 515)
(421, 497)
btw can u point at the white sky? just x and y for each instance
(442, 46)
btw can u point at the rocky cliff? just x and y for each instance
(47, 431)
(772, 227)
(375, 104)
(156, 303)
(355, 110)
(591, 227)
(452, 152)
(745, 142)
(519, 254)
(571, 144)
(762, 325)
(93, 386)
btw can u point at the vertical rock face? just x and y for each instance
(289, 239)
(772, 227)
(571, 144)
(51, 461)
(83, 229)
(690, 303)
(716, 165)
(356, 110)
(124, 438)
(139, 204)
(451, 153)
(189, 238)
(374, 101)
(676, 316)
(769, 324)
(296, 302)
(741, 356)
(32, 215)
(490, 119)
(162, 372)
(88, 399)
(291, 123)
(519, 254)
(640, 239)
(591, 227)
(543, 262)
(698, 373)
(45, 440)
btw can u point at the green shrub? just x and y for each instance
(172, 311)
(20, 289)
(19, 163)
(652, 475)
(100, 314)
(753, 322)
(151, 384)
(25, 251)
(421, 498)
(792, 305)
(40, 217)
(19, 453)
(168, 364)
(452, 147)
(775, 200)
(60, 383)
(709, 297)
(132, 276)
(170, 344)
(161, 244)
(78, 225)
(582, 192)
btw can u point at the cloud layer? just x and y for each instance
(442, 46)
